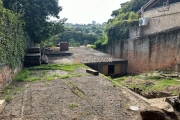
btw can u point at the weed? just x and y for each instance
(22, 75)
(17, 89)
(10, 90)
(73, 105)
(88, 112)
(65, 76)
(55, 75)
(72, 84)
(76, 75)
(174, 92)
(76, 89)
(44, 73)
(79, 93)
(33, 79)
(8, 98)
(153, 78)
(119, 80)
(115, 84)
(65, 67)
(49, 78)
(127, 105)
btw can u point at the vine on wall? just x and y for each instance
(12, 38)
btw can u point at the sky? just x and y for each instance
(85, 11)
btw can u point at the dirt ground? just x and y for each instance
(86, 97)
(99, 100)
(79, 97)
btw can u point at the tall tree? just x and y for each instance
(35, 14)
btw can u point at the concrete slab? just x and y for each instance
(2, 105)
(161, 104)
(91, 71)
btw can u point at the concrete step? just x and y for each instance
(2, 105)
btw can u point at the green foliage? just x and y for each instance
(119, 30)
(65, 67)
(33, 79)
(76, 75)
(35, 15)
(49, 78)
(8, 98)
(118, 27)
(153, 78)
(77, 34)
(101, 43)
(65, 76)
(132, 5)
(22, 75)
(75, 38)
(9, 91)
(73, 105)
(133, 16)
(13, 40)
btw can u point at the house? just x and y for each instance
(158, 19)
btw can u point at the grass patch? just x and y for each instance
(76, 75)
(49, 78)
(79, 93)
(64, 76)
(153, 78)
(162, 84)
(22, 75)
(44, 73)
(88, 112)
(8, 98)
(149, 84)
(64, 67)
(9, 91)
(55, 75)
(119, 80)
(33, 79)
(73, 105)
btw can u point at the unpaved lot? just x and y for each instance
(83, 97)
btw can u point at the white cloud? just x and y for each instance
(85, 11)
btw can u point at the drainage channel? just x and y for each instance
(114, 68)
(172, 99)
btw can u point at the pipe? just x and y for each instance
(167, 2)
(150, 4)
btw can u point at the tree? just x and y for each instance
(35, 15)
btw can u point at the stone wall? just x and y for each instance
(6, 75)
(160, 51)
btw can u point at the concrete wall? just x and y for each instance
(120, 67)
(134, 31)
(6, 75)
(158, 51)
(162, 18)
